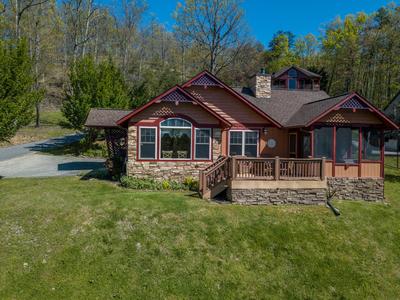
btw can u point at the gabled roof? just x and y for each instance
(311, 112)
(239, 96)
(283, 104)
(105, 117)
(175, 94)
(304, 71)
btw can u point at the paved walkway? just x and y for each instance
(28, 161)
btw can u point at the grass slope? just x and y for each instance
(69, 238)
(53, 124)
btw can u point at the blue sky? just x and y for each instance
(268, 16)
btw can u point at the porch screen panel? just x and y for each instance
(250, 144)
(235, 143)
(347, 145)
(148, 143)
(371, 140)
(323, 141)
(203, 143)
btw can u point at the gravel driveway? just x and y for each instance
(27, 160)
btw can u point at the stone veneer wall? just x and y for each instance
(277, 196)
(261, 85)
(171, 170)
(368, 189)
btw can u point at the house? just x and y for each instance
(281, 140)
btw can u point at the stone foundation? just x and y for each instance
(368, 189)
(277, 192)
(278, 196)
(167, 170)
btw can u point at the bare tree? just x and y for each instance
(216, 26)
(20, 7)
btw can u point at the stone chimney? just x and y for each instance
(261, 84)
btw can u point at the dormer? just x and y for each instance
(295, 78)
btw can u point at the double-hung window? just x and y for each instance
(147, 139)
(244, 143)
(203, 142)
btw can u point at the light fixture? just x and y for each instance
(265, 130)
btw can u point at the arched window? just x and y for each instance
(175, 139)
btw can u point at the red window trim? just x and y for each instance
(158, 142)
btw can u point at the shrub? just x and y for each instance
(191, 183)
(155, 185)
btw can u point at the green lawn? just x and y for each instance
(76, 239)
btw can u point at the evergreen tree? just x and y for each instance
(90, 86)
(17, 98)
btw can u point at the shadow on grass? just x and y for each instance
(392, 178)
(100, 174)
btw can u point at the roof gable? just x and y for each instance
(312, 112)
(175, 94)
(307, 73)
(207, 76)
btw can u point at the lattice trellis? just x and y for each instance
(116, 139)
(205, 80)
(354, 104)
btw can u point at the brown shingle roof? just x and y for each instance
(311, 110)
(304, 71)
(283, 104)
(104, 117)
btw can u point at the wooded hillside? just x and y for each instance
(360, 52)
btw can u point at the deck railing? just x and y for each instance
(246, 168)
(218, 172)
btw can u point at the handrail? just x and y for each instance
(218, 172)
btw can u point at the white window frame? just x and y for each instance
(176, 127)
(140, 142)
(244, 140)
(209, 144)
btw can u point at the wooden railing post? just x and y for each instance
(277, 167)
(323, 168)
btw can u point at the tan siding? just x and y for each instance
(371, 170)
(346, 171)
(281, 137)
(328, 169)
(158, 110)
(347, 116)
(228, 106)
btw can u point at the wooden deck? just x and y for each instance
(217, 176)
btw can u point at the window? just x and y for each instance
(371, 140)
(305, 84)
(147, 149)
(243, 143)
(305, 144)
(236, 143)
(202, 150)
(347, 145)
(323, 140)
(279, 83)
(175, 139)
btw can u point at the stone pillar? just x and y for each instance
(261, 85)
(132, 138)
(216, 143)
